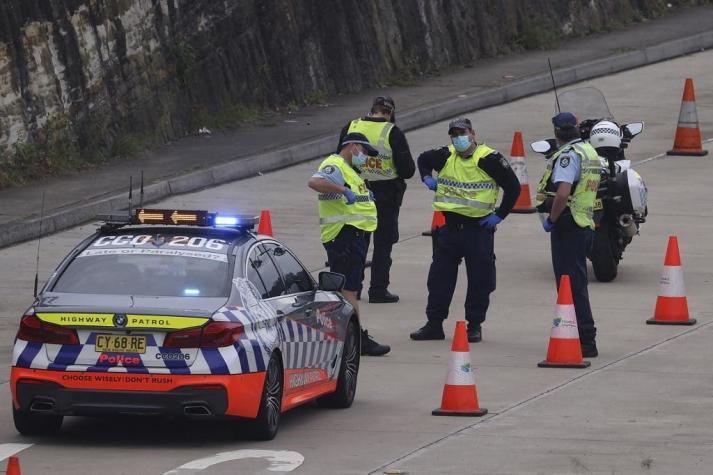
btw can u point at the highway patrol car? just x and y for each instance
(186, 313)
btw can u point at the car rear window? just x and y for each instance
(149, 265)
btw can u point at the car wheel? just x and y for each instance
(265, 426)
(348, 372)
(28, 423)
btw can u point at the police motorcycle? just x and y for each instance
(620, 208)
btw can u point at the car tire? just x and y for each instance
(343, 396)
(267, 423)
(28, 423)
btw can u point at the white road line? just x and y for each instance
(484, 422)
(8, 450)
(280, 460)
(661, 155)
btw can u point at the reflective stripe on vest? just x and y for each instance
(582, 200)
(334, 212)
(346, 218)
(463, 187)
(382, 166)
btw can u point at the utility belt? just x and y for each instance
(458, 222)
(348, 232)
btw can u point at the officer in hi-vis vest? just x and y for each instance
(469, 176)
(347, 214)
(568, 192)
(385, 175)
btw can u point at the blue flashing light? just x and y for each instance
(191, 292)
(226, 221)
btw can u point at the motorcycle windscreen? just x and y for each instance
(585, 103)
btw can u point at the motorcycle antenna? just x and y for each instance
(141, 195)
(131, 188)
(554, 86)
(39, 238)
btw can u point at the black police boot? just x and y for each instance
(432, 330)
(589, 349)
(371, 347)
(386, 297)
(475, 333)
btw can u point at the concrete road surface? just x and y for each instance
(644, 406)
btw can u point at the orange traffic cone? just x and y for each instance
(564, 350)
(13, 466)
(460, 397)
(517, 162)
(671, 303)
(265, 226)
(437, 221)
(688, 135)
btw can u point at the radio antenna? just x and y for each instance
(554, 86)
(131, 187)
(141, 196)
(39, 238)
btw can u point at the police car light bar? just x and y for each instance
(179, 217)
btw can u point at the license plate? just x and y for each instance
(120, 344)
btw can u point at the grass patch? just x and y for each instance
(538, 37)
(316, 98)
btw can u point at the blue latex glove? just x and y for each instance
(548, 225)
(430, 183)
(350, 196)
(490, 221)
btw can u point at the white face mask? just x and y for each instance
(461, 142)
(359, 159)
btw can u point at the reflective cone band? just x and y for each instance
(688, 134)
(437, 221)
(564, 350)
(517, 162)
(671, 303)
(460, 397)
(265, 226)
(13, 466)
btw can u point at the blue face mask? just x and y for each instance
(359, 160)
(461, 142)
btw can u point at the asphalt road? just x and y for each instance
(644, 406)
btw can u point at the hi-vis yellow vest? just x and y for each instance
(463, 187)
(334, 212)
(382, 166)
(581, 202)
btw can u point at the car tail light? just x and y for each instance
(35, 330)
(217, 334)
(212, 335)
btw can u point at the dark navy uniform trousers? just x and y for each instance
(569, 256)
(453, 243)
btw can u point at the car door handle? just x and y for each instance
(308, 311)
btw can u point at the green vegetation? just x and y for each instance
(316, 98)
(538, 37)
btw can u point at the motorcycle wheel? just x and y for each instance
(604, 261)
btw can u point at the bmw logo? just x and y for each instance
(120, 320)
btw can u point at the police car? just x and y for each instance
(190, 313)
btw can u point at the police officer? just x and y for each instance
(469, 175)
(385, 175)
(567, 192)
(346, 215)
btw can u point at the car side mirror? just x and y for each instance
(331, 281)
